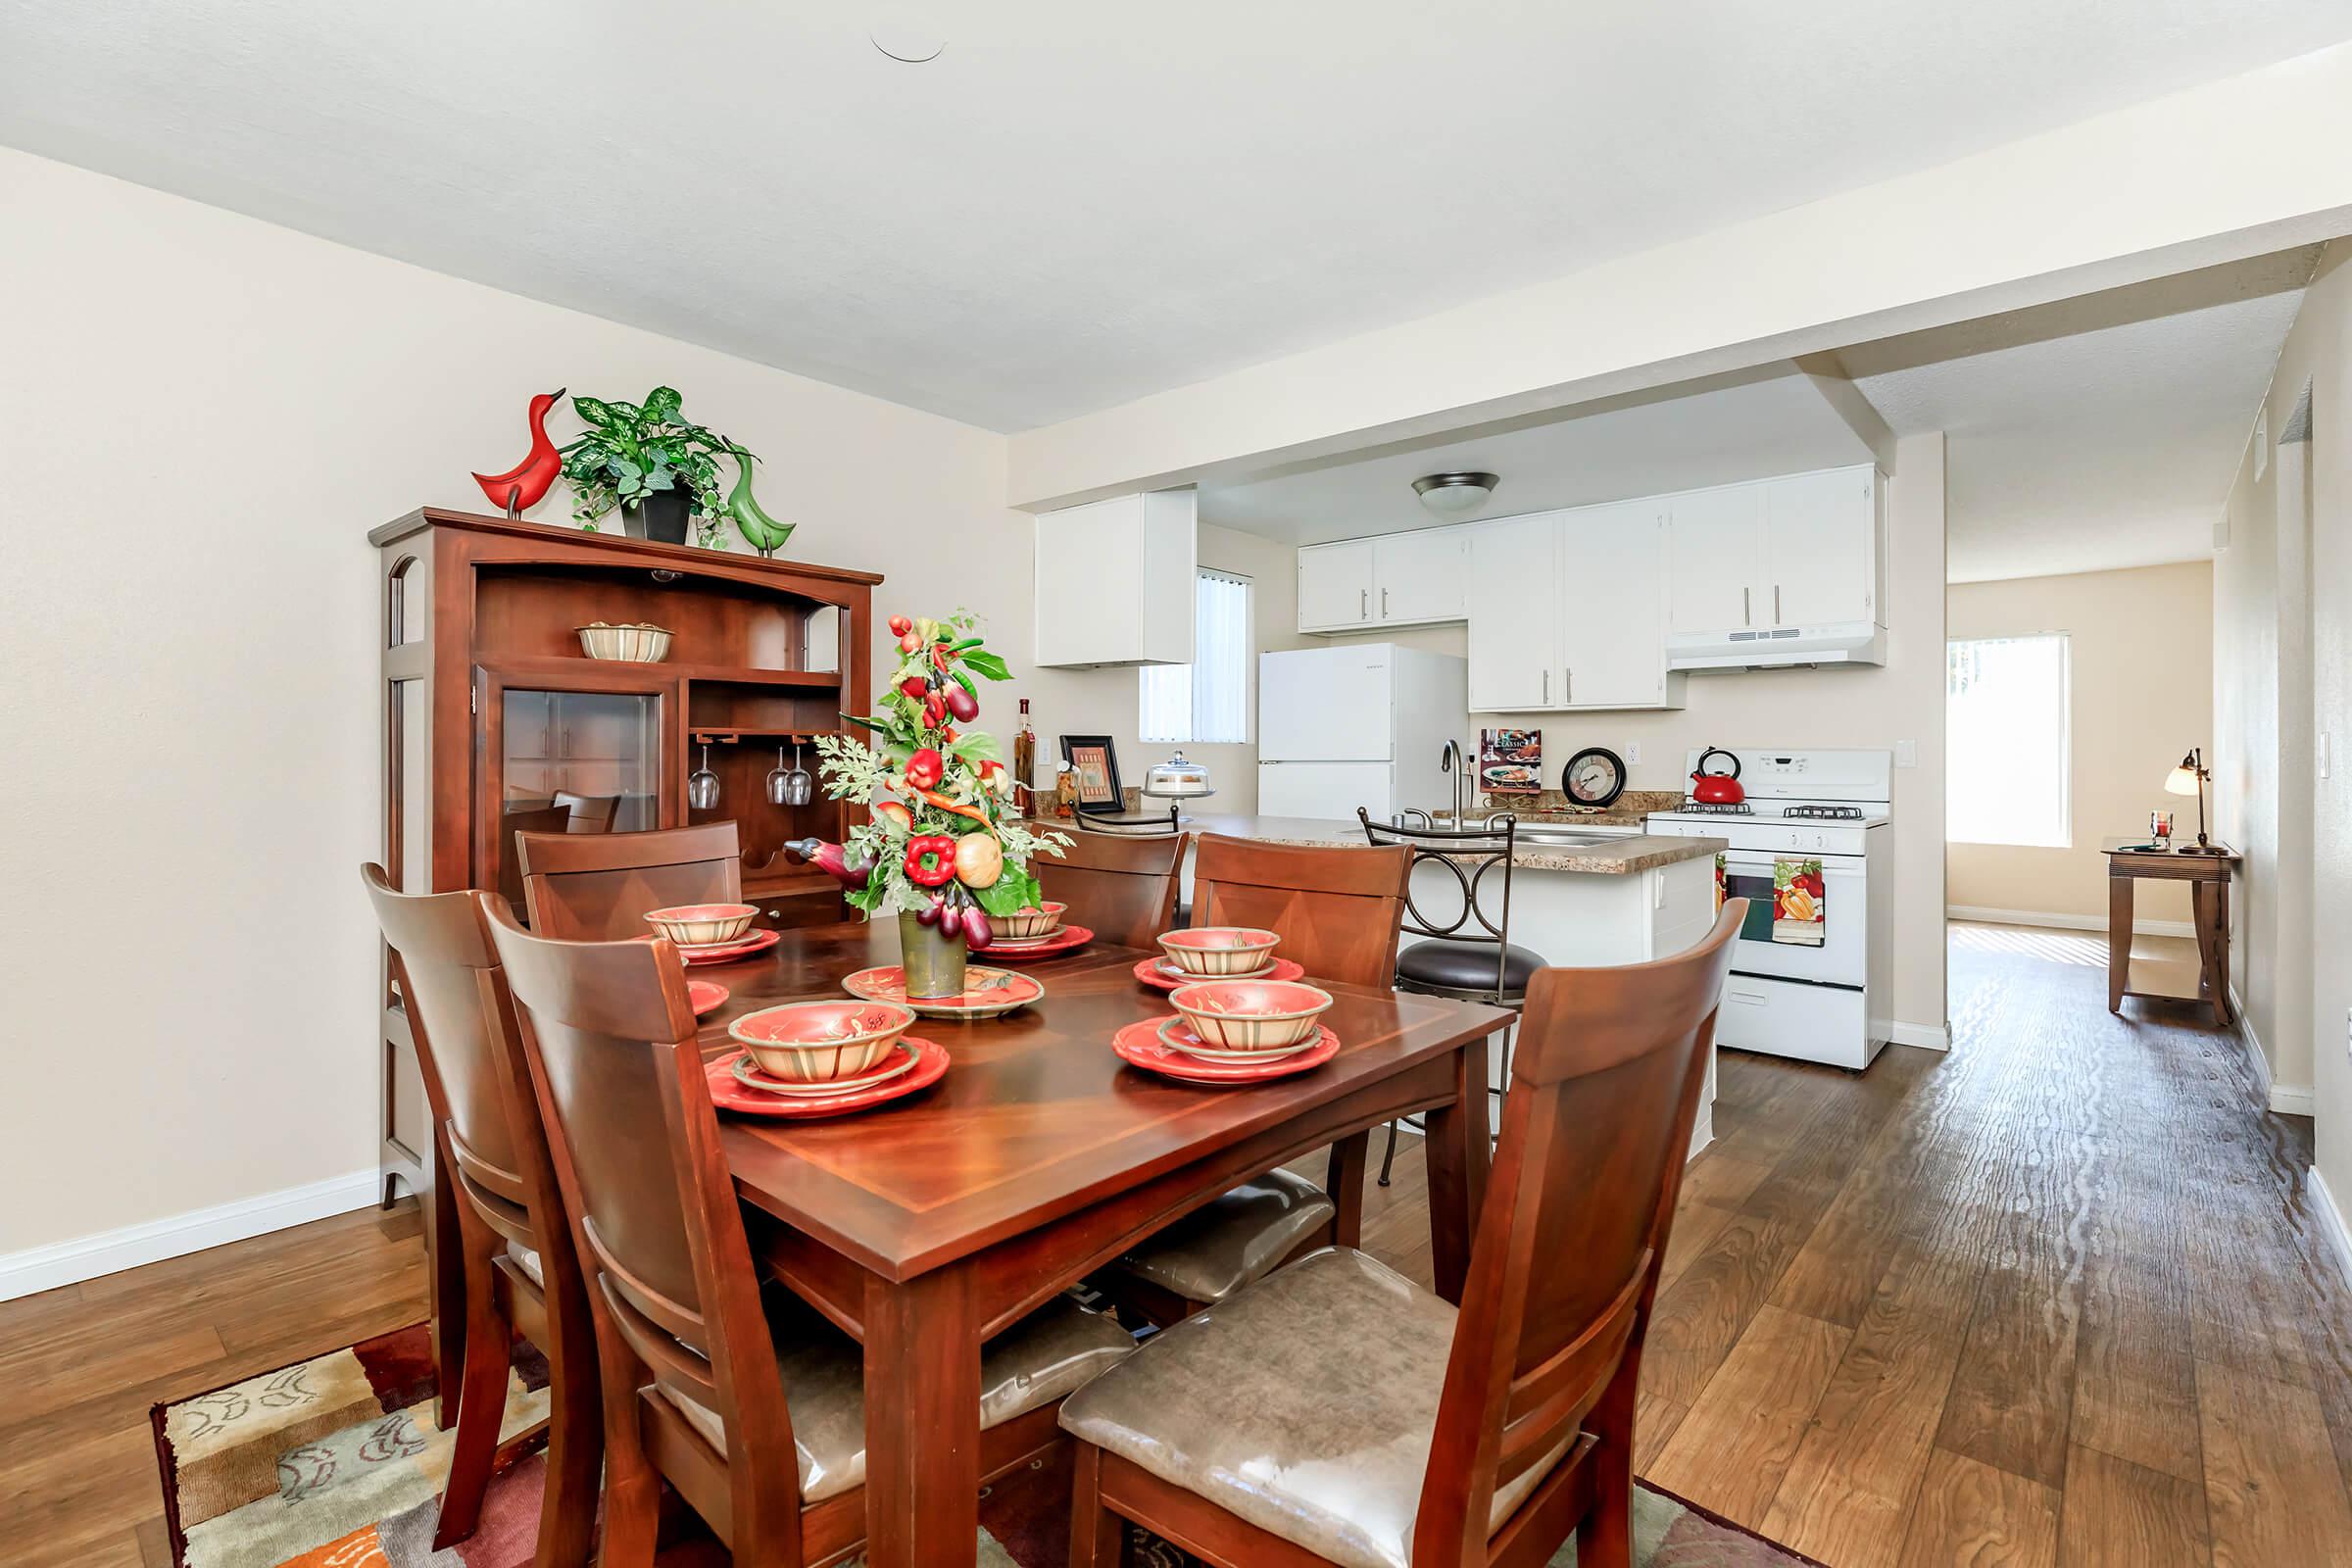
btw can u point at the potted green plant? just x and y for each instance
(945, 849)
(657, 466)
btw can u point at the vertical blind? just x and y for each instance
(2008, 746)
(1208, 699)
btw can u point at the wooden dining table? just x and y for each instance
(926, 1225)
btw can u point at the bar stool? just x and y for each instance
(1470, 955)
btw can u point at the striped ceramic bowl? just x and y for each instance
(701, 925)
(1212, 951)
(1042, 921)
(1250, 1015)
(815, 1042)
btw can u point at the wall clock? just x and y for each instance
(1594, 776)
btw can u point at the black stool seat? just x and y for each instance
(1467, 965)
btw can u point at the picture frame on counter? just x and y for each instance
(1095, 764)
(1510, 761)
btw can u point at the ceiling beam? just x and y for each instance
(1827, 377)
(2216, 172)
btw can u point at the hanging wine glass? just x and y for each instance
(799, 786)
(779, 782)
(701, 785)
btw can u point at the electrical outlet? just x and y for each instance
(1633, 755)
(1906, 753)
(2323, 754)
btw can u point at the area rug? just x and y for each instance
(336, 1463)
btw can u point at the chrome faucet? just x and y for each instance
(1450, 761)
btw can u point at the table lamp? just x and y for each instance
(2189, 779)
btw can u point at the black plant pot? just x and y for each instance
(662, 518)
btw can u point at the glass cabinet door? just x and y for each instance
(574, 761)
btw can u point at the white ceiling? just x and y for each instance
(1076, 203)
(1771, 422)
(2094, 433)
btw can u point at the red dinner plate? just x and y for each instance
(727, 1094)
(1151, 973)
(704, 995)
(757, 942)
(1139, 1046)
(1061, 941)
(988, 992)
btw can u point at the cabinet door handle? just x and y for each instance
(1384, 603)
(1776, 604)
(1363, 604)
(1547, 685)
(1745, 619)
(1567, 684)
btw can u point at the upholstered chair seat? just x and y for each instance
(1055, 1350)
(1466, 966)
(1234, 1239)
(1305, 1405)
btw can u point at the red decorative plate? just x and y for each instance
(704, 995)
(1061, 941)
(727, 1094)
(987, 992)
(757, 942)
(1152, 974)
(1139, 1045)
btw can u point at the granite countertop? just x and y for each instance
(1608, 857)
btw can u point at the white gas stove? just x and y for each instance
(1826, 1000)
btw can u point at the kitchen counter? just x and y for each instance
(1622, 857)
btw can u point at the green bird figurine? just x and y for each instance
(761, 531)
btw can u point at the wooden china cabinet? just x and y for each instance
(496, 722)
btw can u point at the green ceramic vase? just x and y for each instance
(933, 959)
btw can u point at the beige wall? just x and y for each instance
(2282, 690)
(1902, 701)
(2141, 647)
(221, 410)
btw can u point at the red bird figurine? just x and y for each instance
(524, 484)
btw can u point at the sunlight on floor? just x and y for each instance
(2086, 948)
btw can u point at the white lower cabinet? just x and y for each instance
(1568, 610)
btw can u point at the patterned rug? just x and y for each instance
(336, 1463)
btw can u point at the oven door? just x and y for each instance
(1842, 958)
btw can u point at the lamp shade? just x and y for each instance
(2184, 779)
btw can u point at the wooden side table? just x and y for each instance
(2208, 877)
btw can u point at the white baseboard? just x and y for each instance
(2064, 922)
(2294, 1099)
(2332, 1219)
(2286, 1100)
(1933, 1035)
(45, 1268)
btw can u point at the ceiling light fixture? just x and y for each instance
(1450, 495)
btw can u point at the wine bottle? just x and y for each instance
(1024, 757)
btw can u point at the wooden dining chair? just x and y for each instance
(1338, 909)
(597, 887)
(519, 1269)
(753, 1409)
(1121, 887)
(1336, 1412)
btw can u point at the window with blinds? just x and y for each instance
(2008, 741)
(1208, 699)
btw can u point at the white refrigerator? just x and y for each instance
(1362, 724)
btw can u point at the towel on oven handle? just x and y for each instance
(1799, 902)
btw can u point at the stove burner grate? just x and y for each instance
(1715, 809)
(1826, 813)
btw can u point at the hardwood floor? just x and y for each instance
(2053, 1299)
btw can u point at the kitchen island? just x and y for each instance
(1577, 901)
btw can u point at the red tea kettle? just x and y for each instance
(1717, 789)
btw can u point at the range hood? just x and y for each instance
(1856, 641)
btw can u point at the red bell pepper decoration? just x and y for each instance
(931, 860)
(926, 769)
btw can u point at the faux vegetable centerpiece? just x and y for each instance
(944, 850)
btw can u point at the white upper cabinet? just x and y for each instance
(1115, 581)
(1421, 576)
(1568, 610)
(1612, 607)
(1514, 628)
(1335, 586)
(1822, 561)
(1714, 539)
(1398, 579)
